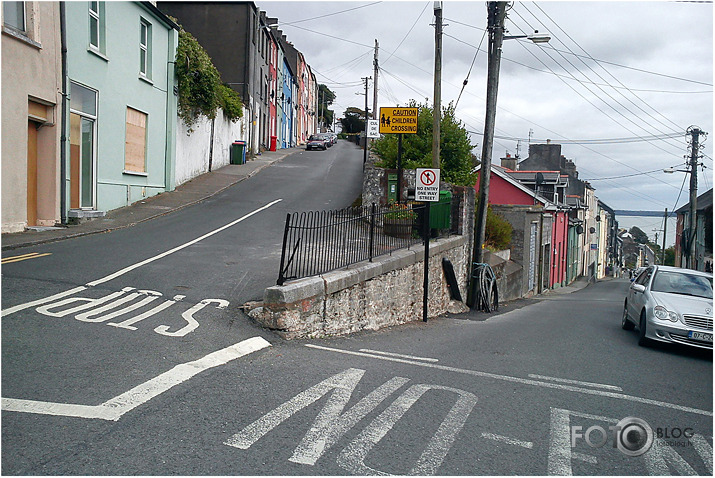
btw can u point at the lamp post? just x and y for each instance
(496, 14)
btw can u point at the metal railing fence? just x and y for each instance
(320, 241)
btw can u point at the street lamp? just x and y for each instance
(496, 14)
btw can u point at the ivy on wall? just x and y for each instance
(201, 92)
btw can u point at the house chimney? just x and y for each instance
(509, 162)
(548, 141)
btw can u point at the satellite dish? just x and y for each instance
(539, 179)
(592, 230)
(579, 229)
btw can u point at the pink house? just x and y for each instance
(505, 190)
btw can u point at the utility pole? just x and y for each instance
(496, 13)
(374, 83)
(364, 152)
(437, 105)
(694, 133)
(665, 231)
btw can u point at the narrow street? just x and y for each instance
(202, 390)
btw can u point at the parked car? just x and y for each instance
(670, 304)
(316, 141)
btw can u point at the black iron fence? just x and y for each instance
(320, 241)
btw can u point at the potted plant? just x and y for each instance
(397, 222)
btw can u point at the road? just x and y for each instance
(196, 388)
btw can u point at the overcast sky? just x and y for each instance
(613, 70)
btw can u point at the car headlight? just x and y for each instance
(662, 313)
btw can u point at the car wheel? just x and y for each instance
(643, 341)
(625, 323)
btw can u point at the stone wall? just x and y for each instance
(367, 295)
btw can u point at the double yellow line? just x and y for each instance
(24, 257)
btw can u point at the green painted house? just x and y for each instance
(121, 114)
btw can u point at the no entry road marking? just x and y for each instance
(114, 408)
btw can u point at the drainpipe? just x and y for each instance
(63, 122)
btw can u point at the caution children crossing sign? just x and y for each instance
(398, 120)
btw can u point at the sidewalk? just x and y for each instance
(191, 192)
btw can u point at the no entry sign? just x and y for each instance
(427, 186)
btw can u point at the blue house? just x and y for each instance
(288, 107)
(122, 105)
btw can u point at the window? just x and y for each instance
(135, 145)
(14, 15)
(145, 49)
(94, 24)
(83, 117)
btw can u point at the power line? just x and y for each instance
(604, 61)
(408, 32)
(594, 93)
(330, 14)
(612, 76)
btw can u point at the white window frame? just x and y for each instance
(94, 17)
(144, 45)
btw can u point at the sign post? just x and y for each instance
(397, 120)
(373, 129)
(427, 191)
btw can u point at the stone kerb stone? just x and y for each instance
(366, 296)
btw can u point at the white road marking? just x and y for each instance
(331, 423)
(121, 272)
(660, 457)
(352, 458)
(557, 386)
(704, 450)
(390, 354)
(559, 458)
(507, 440)
(576, 382)
(114, 408)
(584, 457)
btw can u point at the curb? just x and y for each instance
(124, 226)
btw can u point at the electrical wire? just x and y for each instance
(464, 85)
(329, 14)
(597, 96)
(609, 73)
(606, 62)
(408, 33)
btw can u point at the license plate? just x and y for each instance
(700, 336)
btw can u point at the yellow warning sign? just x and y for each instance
(398, 120)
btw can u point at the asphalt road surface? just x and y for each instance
(185, 384)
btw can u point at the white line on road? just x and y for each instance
(557, 386)
(576, 382)
(510, 441)
(390, 354)
(584, 457)
(114, 408)
(121, 272)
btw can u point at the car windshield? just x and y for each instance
(315, 138)
(683, 283)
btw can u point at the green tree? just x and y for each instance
(325, 99)
(638, 235)
(353, 121)
(670, 256)
(456, 159)
(200, 89)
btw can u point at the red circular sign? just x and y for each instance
(428, 178)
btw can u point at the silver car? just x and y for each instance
(670, 304)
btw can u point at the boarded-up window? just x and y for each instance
(135, 147)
